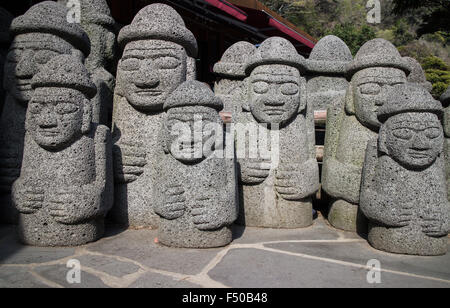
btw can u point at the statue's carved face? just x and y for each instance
(191, 132)
(149, 71)
(414, 139)
(369, 92)
(55, 117)
(26, 56)
(274, 93)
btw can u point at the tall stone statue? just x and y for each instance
(404, 191)
(352, 123)
(326, 68)
(66, 184)
(195, 186)
(5, 22)
(276, 187)
(96, 20)
(158, 52)
(231, 73)
(417, 75)
(41, 34)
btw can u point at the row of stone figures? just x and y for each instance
(62, 171)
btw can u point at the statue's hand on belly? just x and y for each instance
(27, 198)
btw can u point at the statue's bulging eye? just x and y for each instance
(289, 88)
(403, 133)
(132, 64)
(66, 108)
(433, 132)
(167, 63)
(43, 56)
(370, 88)
(260, 87)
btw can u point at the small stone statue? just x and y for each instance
(276, 189)
(404, 193)
(157, 58)
(326, 68)
(417, 75)
(231, 73)
(65, 187)
(41, 34)
(195, 189)
(5, 22)
(352, 123)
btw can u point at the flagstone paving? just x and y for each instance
(319, 256)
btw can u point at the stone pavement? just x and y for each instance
(319, 256)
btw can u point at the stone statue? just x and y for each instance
(66, 183)
(403, 191)
(156, 60)
(326, 68)
(5, 22)
(445, 99)
(96, 20)
(41, 34)
(352, 123)
(276, 187)
(417, 75)
(196, 194)
(231, 73)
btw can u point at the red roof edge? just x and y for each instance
(286, 30)
(229, 8)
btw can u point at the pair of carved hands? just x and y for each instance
(67, 206)
(129, 162)
(205, 216)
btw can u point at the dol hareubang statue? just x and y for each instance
(276, 191)
(156, 60)
(65, 187)
(352, 123)
(195, 189)
(404, 190)
(41, 34)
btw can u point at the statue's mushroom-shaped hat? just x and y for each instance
(417, 75)
(51, 17)
(160, 22)
(193, 93)
(234, 60)
(330, 56)
(408, 97)
(96, 12)
(378, 53)
(275, 50)
(65, 71)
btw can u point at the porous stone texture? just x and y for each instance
(352, 123)
(5, 21)
(445, 100)
(195, 190)
(65, 187)
(41, 34)
(326, 70)
(278, 168)
(417, 75)
(230, 71)
(158, 57)
(96, 20)
(404, 193)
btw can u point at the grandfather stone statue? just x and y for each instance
(276, 189)
(417, 75)
(404, 193)
(195, 186)
(96, 20)
(158, 52)
(326, 67)
(231, 73)
(445, 99)
(65, 187)
(40, 35)
(5, 22)
(352, 123)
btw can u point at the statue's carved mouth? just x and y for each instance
(274, 111)
(48, 132)
(149, 93)
(24, 84)
(418, 154)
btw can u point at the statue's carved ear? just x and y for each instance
(191, 69)
(245, 95)
(382, 138)
(302, 95)
(87, 117)
(349, 103)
